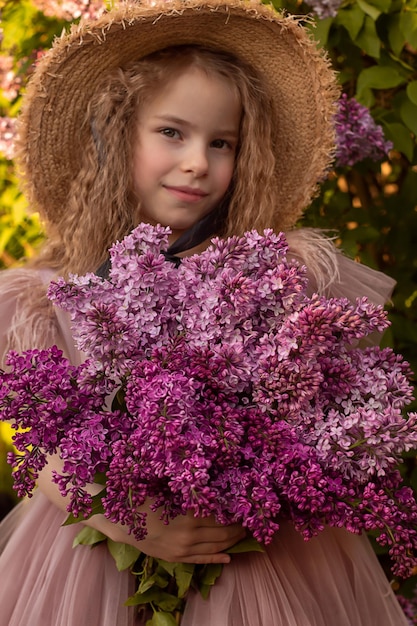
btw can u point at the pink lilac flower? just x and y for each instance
(10, 83)
(7, 136)
(358, 137)
(325, 8)
(219, 387)
(409, 606)
(71, 9)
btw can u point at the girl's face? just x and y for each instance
(184, 154)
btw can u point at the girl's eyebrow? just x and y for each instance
(173, 119)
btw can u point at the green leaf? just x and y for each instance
(249, 544)
(141, 598)
(378, 77)
(412, 91)
(320, 30)
(123, 554)
(100, 478)
(162, 619)
(413, 479)
(395, 35)
(169, 567)
(183, 576)
(401, 138)
(206, 578)
(366, 97)
(365, 234)
(96, 509)
(165, 601)
(152, 581)
(18, 23)
(352, 18)
(406, 329)
(6, 234)
(369, 9)
(368, 39)
(118, 403)
(74, 520)
(408, 26)
(408, 112)
(211, 573)
(88, 537)
(204, 591)
(383, 5)
(168, 602)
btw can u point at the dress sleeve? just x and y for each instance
(27, 318)
(334, 275)
(355, 280)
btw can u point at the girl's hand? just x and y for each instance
(186, 539)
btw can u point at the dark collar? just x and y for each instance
(207, 227)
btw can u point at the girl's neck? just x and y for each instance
(196, 249)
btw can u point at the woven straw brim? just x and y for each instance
(298, 76)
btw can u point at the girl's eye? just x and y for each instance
(170, 132)
(221, 144)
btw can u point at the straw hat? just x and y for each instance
(298, 76)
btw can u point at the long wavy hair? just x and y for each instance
(101, 206)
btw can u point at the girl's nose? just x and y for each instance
(195, 161)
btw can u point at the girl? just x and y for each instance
(211, 119)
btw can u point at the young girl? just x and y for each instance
(210, 119)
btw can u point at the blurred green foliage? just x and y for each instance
(371, 207)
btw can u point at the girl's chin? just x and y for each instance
(178, 227)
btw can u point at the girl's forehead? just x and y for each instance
(194, 95)
(182, 75)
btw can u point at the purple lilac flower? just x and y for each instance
(358, 137)
(71, 9)
(40, 393)
(220, 387)
(409, 606)
(325, 8)
(7, 136)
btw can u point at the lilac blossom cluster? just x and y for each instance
(222, 388)
(7, 136)
(325, 8)
(71, 9)
(10, 82)
(13, 75)
(358, 137)
(409, 606)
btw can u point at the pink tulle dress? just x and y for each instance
(332, 580)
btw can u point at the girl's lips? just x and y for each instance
(189, 194)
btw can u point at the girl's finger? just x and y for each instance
(222, 536)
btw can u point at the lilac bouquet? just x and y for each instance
(222, 388)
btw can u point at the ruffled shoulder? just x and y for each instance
(333, 274)
(355, 280)
(27, 318)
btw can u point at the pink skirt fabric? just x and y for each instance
(332, 580)
(47, 582)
